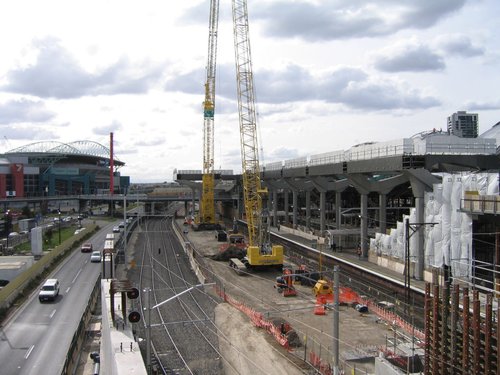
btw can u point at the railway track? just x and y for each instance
(183, 335)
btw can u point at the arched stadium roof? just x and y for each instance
(87, 148)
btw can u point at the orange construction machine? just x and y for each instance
(284, 283)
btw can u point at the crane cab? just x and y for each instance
(263, 259)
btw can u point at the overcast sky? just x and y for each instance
(329, 74)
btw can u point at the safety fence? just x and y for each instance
(393, 319)
(256, 318)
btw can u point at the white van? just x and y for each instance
(49, 290)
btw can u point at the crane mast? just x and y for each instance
(206, 219)
(259, 252)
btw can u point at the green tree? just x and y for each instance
(26, 212)
(48, 235)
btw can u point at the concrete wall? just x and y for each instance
(120, 353)
(12, 266)
(384, 367)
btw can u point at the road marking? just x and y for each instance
(67, 290)
(29, 351)
(77, 274)
(52, 314)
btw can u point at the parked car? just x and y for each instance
(86, 247)
(49, 290)
(95, 257)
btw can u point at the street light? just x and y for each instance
(59, 213)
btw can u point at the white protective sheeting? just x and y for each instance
(449, 241)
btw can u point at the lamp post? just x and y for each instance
(59, 222)
(8, 220)
(125, 226)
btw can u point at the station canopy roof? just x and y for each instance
(77, 148)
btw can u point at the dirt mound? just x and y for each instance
(288, 331)
(293, 339)
(230, 252)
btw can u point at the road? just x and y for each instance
(37, 337)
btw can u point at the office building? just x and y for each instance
(463, 124)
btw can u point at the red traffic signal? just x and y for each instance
(134, 317)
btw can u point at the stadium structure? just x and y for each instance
(52, 168)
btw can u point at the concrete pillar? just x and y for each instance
(275, 207)
(420, 254)
(269, 201)
(420, 180)
(382, 213)
(322, 211)
(294, 203)
(193, 201)
(308, 209)
(364, 225)
(286, 208)
(338, 207)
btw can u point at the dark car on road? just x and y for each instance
(86, 247)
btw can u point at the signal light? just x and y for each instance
(133, 294)
(134, 317)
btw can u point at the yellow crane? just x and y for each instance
(206, 218)
(260, 252)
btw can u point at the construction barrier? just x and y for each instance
(323, 367)
(349, 296)
(256, 318)
(393, 319)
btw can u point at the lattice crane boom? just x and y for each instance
(207, 206)
(260, 252)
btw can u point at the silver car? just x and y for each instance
(95, 257)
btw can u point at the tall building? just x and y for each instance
(463, 124)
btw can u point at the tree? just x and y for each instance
(48, 235)
(26, 212)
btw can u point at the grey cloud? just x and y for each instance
(296, 84)
(348, 86)
(459, 45)
(199, 14)
(193, 82)
(106, 129)
(28, 132)
(484, 106)
(151, 142)
(412, 59)
(282, 153)
(24, 110)
(341, 19)
(56, 74)
(384, 96)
